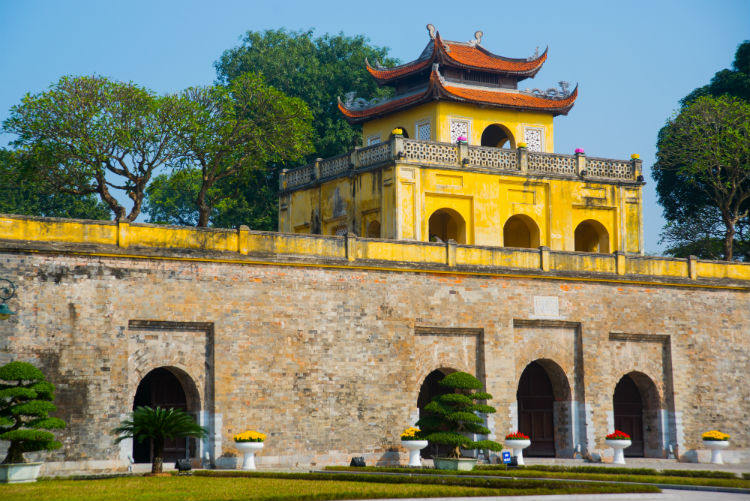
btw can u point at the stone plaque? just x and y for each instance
(546, 307)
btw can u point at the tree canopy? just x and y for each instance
(703, 172)
(702, 214)
(23, 191)
(317, 70)
(90, 135)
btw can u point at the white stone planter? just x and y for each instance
(619, 446)
(248, 449)
(16, 473)
(414, 446)
(716, 447)
(518, 446)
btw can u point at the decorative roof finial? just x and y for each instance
(431, 30)
(477, 38)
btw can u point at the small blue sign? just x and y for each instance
(506, 457)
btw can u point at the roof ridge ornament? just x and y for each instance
(478, 39)
(358, 103)
(552, 93)
(431, 31)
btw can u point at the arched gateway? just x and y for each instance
(430, 389)
(167, 387)
(635, 403)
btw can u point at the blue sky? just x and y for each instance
(633, 60)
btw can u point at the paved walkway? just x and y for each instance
(666, 495)
(657, 464)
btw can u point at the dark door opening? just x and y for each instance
(628, 407)
(535, 411)
(160, 388)
(430, 389)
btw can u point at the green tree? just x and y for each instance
(450, 417)
(23, 191)
(25, 403)
(170, 199)
(93, 135)
(703, 171)
(314, 69)
(239, 128)
(158, 425)
(734, 82)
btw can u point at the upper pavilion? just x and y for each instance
(461, 153)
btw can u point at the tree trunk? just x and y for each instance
(15, 453)
(728, 241)
(156, 464)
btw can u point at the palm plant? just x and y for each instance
(158, 425)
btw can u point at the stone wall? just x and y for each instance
(328, 360)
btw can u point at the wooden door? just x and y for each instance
(535, 411)
(628, 407)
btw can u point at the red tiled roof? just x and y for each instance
(461, 55)
(476, 57)
(504, 99)
(438, 89)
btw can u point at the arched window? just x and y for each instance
(520, 231)
(447, 224)
(498, 136)
(591, 236)
(373, 229)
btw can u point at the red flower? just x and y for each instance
(618, 435)
(517, 435)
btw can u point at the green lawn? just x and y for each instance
(603, 474)
(217, 486)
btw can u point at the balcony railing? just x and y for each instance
(462, 156)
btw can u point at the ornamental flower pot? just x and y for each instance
(455, 464)
(716, 447)
(248, 449)
(16, 473)
(518, 446)
(414, 446)
(619, 446)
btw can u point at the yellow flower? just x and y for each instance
(250, 436)
(635, 156)
(398, 131)
(410, 433)
(522, 145)
(715, 435)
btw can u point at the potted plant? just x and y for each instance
(716, 441)
(412, 440)
(452, 416)
(518, 442)
(619, 440)
(158, 425)
(25, 403)
(249, 442)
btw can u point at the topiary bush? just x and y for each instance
(454, 415)
(25, 403)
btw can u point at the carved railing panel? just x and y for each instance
(552, 163)
(374, 154)
(429, 152)
(609, 169)
(299, 176)
(334, 165)
(494, 158)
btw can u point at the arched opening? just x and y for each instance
(447, 224)
(635, 403)
(520, 231)
(373, 229)
(591, 236)
(543, 408)
(430, 389)
(498, 136)
(167, 387)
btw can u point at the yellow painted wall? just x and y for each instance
(440, 114)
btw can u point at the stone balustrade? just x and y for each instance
(462, 156)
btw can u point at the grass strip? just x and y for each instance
(262, 486)
(567, 475)
(616, 469)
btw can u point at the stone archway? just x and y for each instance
(167, 387)
(498, 136)
(543, 407)
(447, 224)
(591, 236)
(430, 389)
(635, 403)
(520, 231)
